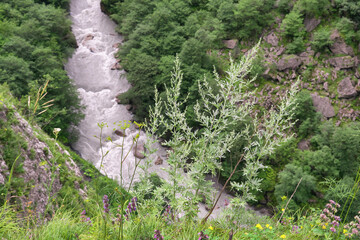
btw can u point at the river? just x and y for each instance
(90, 67)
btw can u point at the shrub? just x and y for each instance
(292, 26)
(288, 180)
(321, 40)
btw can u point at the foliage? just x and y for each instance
(252, 16)
(289, 178)
(36, 39)
(292, 26)
(348, 29)
(321, 40)
(296, 46)
(308, 120)
(199, 151)
(313, 7)
(349, 8)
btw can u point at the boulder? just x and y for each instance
(304, 145)
(323, 105)
(272, 39)
(159, 161)
(343, 62)
(231, 44)
(326, 86)
(288, 62)
(116, 66)
(311, 23)
(339, 46)
(88, 37)
(139, 150)
(120, 133)
(346, 89)
(116, 45)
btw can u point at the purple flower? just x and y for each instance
(202, 236)
(106, 204)
(84, 218)
(157, 235)
(335, 223)
(333, 229)
(131, 207)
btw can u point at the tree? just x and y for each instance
(251, 16)
(16, 72)
(292, 25)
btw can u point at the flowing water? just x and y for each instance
(98, 85)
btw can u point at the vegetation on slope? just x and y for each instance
(155, 31)
(35, 40)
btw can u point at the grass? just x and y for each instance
(149, 216)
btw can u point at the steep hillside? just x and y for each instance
(38, 174)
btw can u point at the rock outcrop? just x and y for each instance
(231, 44)
(346, 89)
(41, 166)
(343, 62)
(339, 46)
(311, 23)
(288, 62)
(272, 39)
(139, 150)
(323, 105)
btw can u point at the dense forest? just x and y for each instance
(35, 41)
(262, 94)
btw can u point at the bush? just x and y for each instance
(321, 40)
(348, 29)
(288, 180)
(296, 46)
(292, 26)
(350, 8)
(308, 120)
(313, 7)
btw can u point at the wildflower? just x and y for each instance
(328, 216)
(203, 236)
(267, 225)
(106, 204)
(56, 131)
(131, 207)
(283, 198)
(211, 228)
(354, 231)
(84, 218)
(283, 210)
(270, 227)
(344, 231)
(295, 229)
(283, 236)
(259, 226)
(157, 235)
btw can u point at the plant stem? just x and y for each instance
(289, 201)
(222, 190)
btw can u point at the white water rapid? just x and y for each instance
(98, 85)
